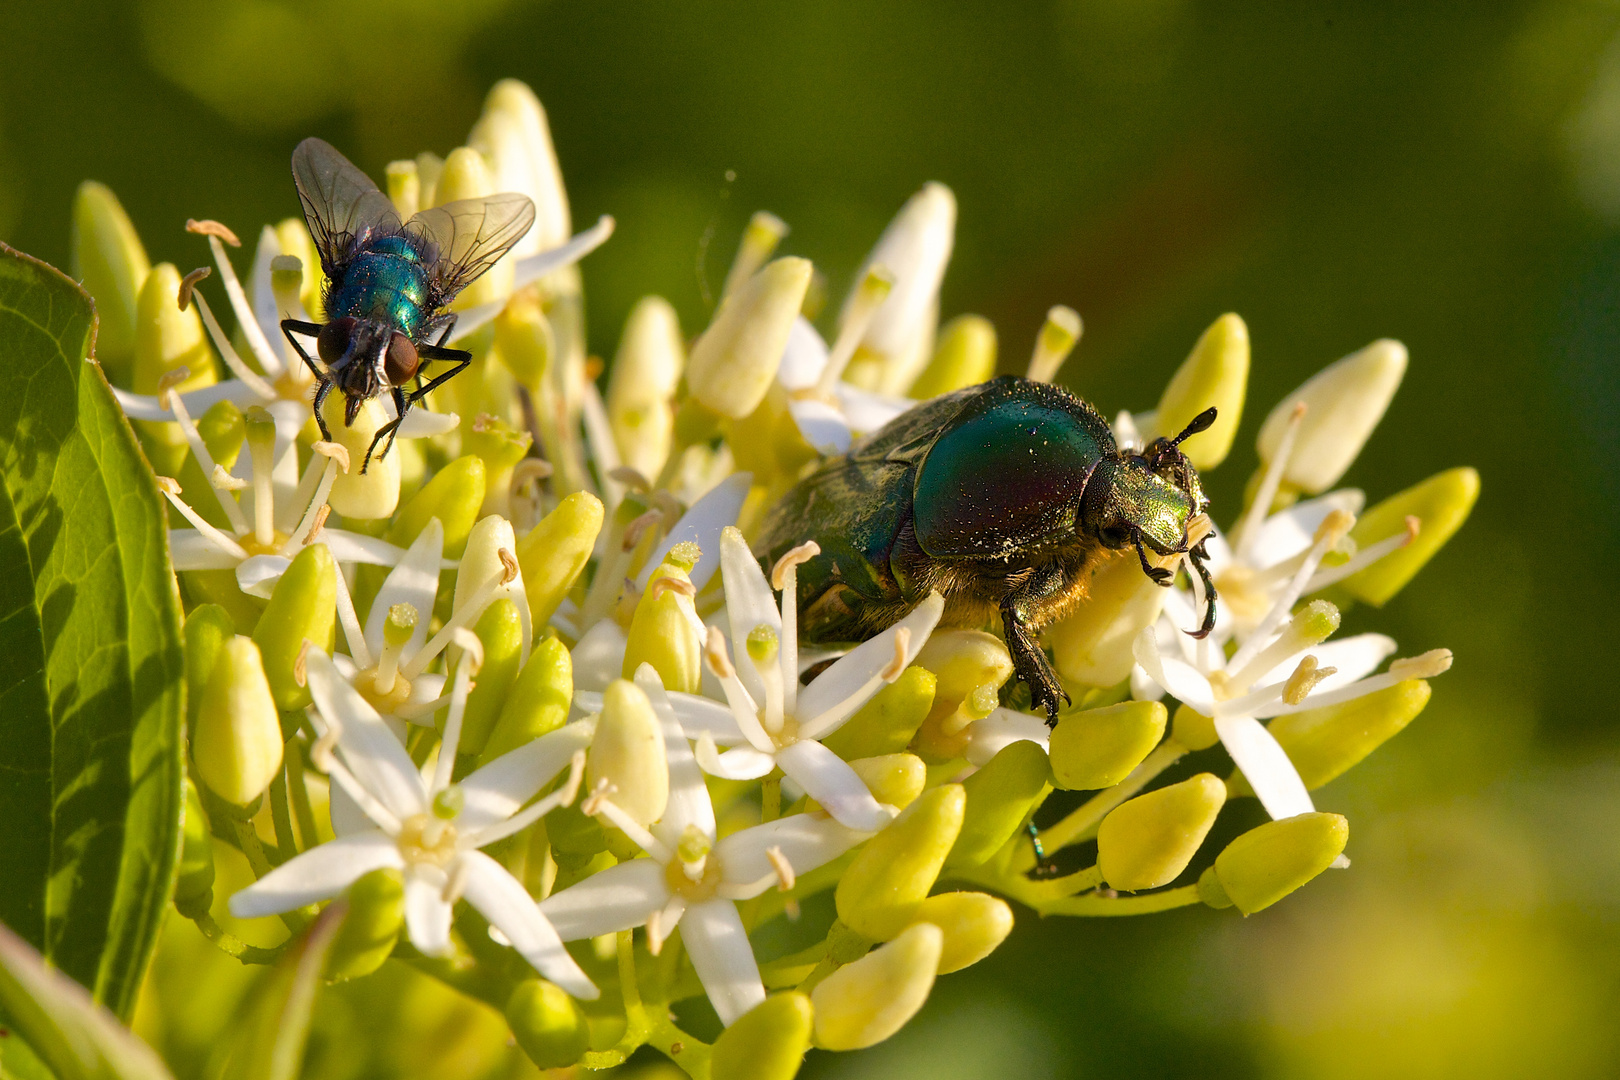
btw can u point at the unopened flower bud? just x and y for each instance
(1344, 402)
(373, 493)
(222, 430)
(1148, 841)
(914, 249)
(466, 176)
(886, 723)
(627, 751)
(547, 1023)
(759, 239)
(1093, 646)
(1193, 730)
(865, 1002)
(1215, 373)
(404, 186)
(765, 1043)
(965, 355)
(973, 923)
(1441, 504)
(880, 892)
(371, 927)
(515, 138)
(453, 496)
(302, 607)
(1266, 864)
(109, 259)
(238, 742)
(292, 237)
(1056, 340)
(895, 779)
(500, 631)
(207, 629)
(1325, 743)
(500, 447)
(963, 661)
(525, 340)
(999, 796)
(662, 631)
(167, 339)
(555, 551)
(641, 385)
(488, 557)
(195, 880)
(538, 702)
(1098, 748)
(733, 363)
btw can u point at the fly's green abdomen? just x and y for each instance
(387, 282)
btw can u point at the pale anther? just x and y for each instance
(168, 485)
(301, 664)
(784, 869)
(224, 481)
(634, 531)
(509, 566)
(1426, 666)
(902, 644)
(801, 554)
(336, 451)
(471, 646)
(662, 585)
(630, 477)
(206, 227)
(599, 794)
(714, 651)
(188, 283)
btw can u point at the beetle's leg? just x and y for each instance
(402, 405)
(313, 330)
(1044, 867)
(1029, 660)
(1199, 556)
(1159, 574)
(321, 390)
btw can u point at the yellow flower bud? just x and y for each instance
(500, 447)
(964, 660)
(194, 884)
(999, 797)
(880, 892)
(109, 259)
(466, 176)
(292, 236)
(1093, 646)
(1325, 743)
(1098, 748)
(1344, 402)
(914, 249)
(1441, 503)
(238, 742)
(661, 631)
(555, 551)
(1193, 729)
(374, 493)
(167, 339)
(371, 927)
(895, 779)
(1266, 864)
(885, 724)
(965, 355)
(303, 606)
(1215, 373)
(207, 629)
(222, 430)
(627, 751)
(1148, 841)
(453, 496)
(733, 363)
(514, 135)
(973, 923)
(865, 1002)
(500, 631)
(538, 702)
(547, 1023)
(524, 340)
(765, 1043)
(642, 385)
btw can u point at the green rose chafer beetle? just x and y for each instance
(1002, 496)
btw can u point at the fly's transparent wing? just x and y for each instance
(340, 202)
(470, 236)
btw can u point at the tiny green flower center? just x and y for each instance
(693, 845)
(250, 543)
(762, 645)
(397, 694)
(424, 839)
(447, 804)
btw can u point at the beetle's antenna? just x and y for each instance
(1202, 422)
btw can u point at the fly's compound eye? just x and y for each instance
(333, 340)
(402, 360)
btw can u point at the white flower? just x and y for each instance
(428, 827)
(830, 412)
(772, 723)
(692, 879)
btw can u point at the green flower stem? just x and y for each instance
(1034, 894)
(232, 945)
(247, 840)
(690, 1054)
(637, 1027)
(1081, 825)
(770, 798)
(463, 973)
(298, 786)
(1094, 904)
(281, 816)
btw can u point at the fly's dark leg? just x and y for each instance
(434, 352)
(402, 405)
(1029, 661)
(313, 330)
(321, 390)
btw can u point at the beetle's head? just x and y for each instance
(1148, 500)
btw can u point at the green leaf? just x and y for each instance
(275, 1020)
(91, 694)
(72, 1035)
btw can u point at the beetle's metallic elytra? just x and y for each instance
(1002, 496)
(389, 282)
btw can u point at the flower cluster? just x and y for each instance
(521, 689)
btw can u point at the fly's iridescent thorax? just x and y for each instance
(387, 281)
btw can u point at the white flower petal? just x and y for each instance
(371, 751)
(498, 790)
(257, 575)
(533, 268)
(822, 425)
(738, 763)
(805, 840)
(689, 802)
(701, 716)
(1143, 688)
(867, 410)
(501, 899)
(749, 603)
(828, 779)
(718, 945)
(352, 547)
(198, 401)
(1289, 532)
(610, 900)
(191, 549)
(849, 683)
(702, 524)
(803, 358)
(427, 916)
(1179, 678)
(420, 423)
(318, 874)
(347, 817)
(599, 656)
(1004, 727)
(1353, 657)
(1265, 765)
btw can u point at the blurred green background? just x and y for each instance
(1447, 174)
